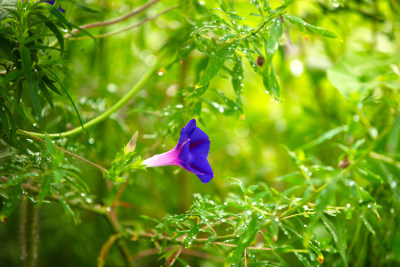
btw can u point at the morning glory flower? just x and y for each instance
(190, 153)
(51, 3)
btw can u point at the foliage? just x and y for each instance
(308, 178)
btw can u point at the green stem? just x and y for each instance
(145, 78)
(29, 232)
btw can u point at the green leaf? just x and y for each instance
(246, 238)
(304, 26)
(340, 243)
(191, 235)
(68, 95)
(64, 204)
(210, 240)
(325, 137)
(184, 263)
(11, 76)
(46, 93)
(83, 7)
(367, 224)
(11, 203)
(50, 85)
(216, 63)
(357, 75)
(32, 86)
(238, 182)
(273, 41)
(45, 187)
(4, 122)
(270, 81)
(237, 78)
(49, 24)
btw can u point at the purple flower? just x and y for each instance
(190, 153)
(52, 3)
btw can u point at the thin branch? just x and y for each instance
(113, 21)
(234, 246)
(101, 259)
(190, 252)
(63, 150)
(245, 258)
(124, 29)
(181, 240)
(176, 256)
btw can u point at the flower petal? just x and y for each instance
(186, 132)
(184, 159)
(204, 167)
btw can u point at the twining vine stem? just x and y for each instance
(145, 78)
